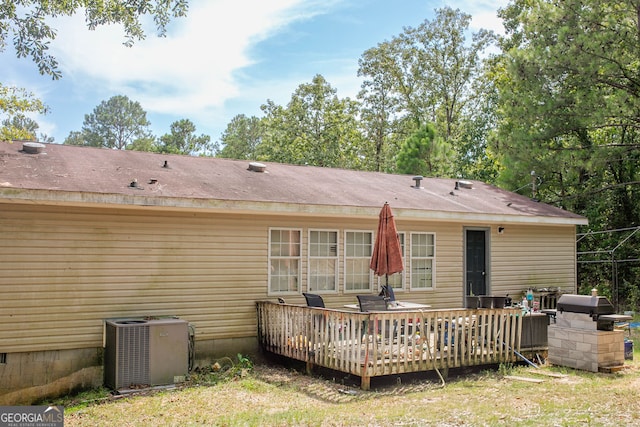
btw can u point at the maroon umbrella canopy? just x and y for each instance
(387, 254)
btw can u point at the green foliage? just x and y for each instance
(21, 127)
(146, 143)
(424, 153)
(315, 128)
(80, 400)
(569, 110)
(241, 138)
(115, 123)
(222, 370)
(380, 103)
(183, 140)
(429, 74)
(14, 103)
(26, 21)
(505, 369)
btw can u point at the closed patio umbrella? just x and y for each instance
(387, 254)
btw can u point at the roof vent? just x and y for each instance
(257, 167)
(418, 179)
(465, 184)
(32, 147)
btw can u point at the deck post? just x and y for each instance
(340, 340)
(365, 382)
(445, 372)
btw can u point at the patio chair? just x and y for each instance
(375, 303)
(313, 300)
(372, 303)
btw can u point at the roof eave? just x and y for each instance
(125, 201)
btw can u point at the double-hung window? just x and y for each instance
(284, 261)
(358, 248)
(423, 251)
(323, 261)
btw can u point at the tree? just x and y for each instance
(316, 128)
(569, 97)
(14, 102)
(23, 128)
(380, 107)
(241, 138)
(146, 143)
(26, 22)
(424, 153)
(425, 75)
(570, 108)
(183, 140)
(115, 123)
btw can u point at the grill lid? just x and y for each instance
(591, 305)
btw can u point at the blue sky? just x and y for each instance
(227, 57)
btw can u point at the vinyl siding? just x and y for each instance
(64, 270)
(533, 256)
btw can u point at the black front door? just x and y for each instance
(476, 263)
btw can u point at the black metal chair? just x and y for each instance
(313, 300)
(375, 303)
(372, 303)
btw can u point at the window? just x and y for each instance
(422, 260)
(358, 247)
(284, 261)
(323, 261)
(397, 280)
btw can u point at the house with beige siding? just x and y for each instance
(90, 234)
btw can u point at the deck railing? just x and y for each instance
(390, 342)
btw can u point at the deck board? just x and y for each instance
(383, 343)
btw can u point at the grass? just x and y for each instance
(265, 394)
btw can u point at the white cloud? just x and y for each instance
(484, 13)
(189, 72)
(207, 69)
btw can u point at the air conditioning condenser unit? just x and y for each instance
(145, 352)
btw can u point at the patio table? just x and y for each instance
(397, 306)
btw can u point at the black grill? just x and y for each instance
(594, 306)
(598, 308)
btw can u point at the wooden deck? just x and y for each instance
(390, 342)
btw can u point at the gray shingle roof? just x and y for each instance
(105, 176)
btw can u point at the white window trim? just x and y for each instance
(337, 260)
(433, 263)
(344, 273)
(269, 257)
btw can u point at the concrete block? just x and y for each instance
(554, 342)
(587, 366)
(561, 334)
(584, 347)
(590, 337)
